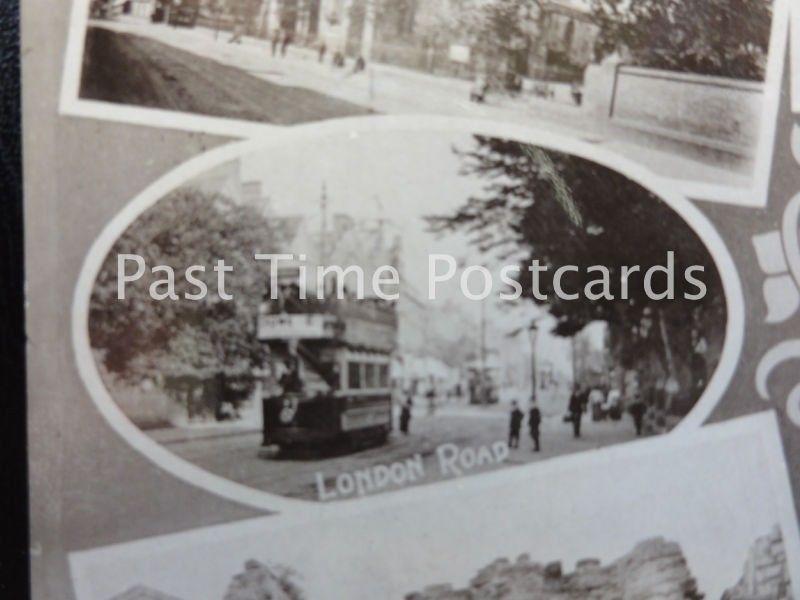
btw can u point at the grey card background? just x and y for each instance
(88, 487)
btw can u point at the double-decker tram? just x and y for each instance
(327, 376)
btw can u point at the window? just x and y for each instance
(354, 375)
(383, 376)
(371, 375)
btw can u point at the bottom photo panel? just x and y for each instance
(704, 514)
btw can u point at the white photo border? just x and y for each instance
(357, 126)
(764, 425)
(756, 196)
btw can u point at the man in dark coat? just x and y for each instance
(405, 416)
(534, 421)
(637, 411)
(514, 426)
(576, 411)
(290, 381)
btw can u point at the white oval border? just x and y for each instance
(357, 126)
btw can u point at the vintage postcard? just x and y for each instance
(670, 528)
(441, 299)
(697, 105)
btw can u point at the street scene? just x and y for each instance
(231, 454)
(689, 108)
(319, 387)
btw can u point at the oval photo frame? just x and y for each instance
(354, 127)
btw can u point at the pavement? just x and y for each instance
(394, 90)
(237, 455)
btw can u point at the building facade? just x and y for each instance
(547, 40)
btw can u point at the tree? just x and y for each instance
(502, 32)
(140, 337)
(565, 210)
(728, 38)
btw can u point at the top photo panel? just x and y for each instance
(688, 89)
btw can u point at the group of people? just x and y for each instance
(580, 399)
(603, 403)
(282, 39)
(515, 425)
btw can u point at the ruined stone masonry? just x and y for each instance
(766, 572)
(654, 570)
(140, 592)
(256, 582)
(259, 582)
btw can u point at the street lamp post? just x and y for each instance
(534, 337)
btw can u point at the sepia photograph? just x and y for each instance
(653, 80)
(671, 529)
(531, 304)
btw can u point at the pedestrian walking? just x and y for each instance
(637, 410)
(576, 411)
(405, 416)
(323, 48)
(514, 425)
(534, 422)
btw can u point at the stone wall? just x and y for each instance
(654, 569)
(713, 112)
(766, 572)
